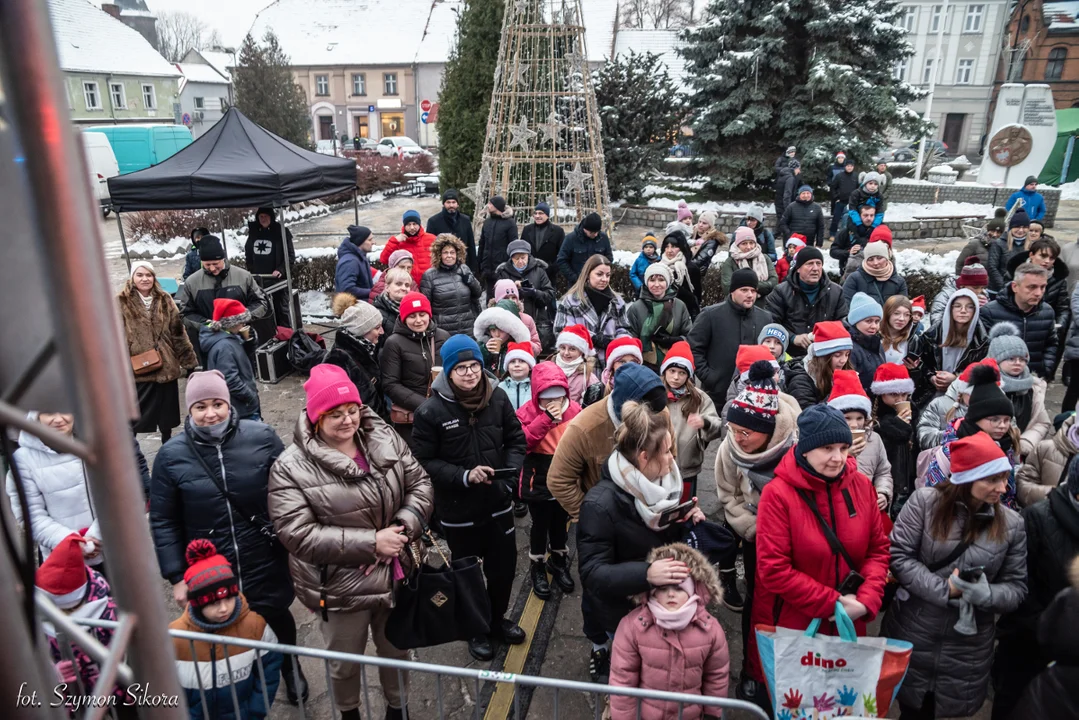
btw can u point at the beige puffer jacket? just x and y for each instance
(1042, 471)
(1040, 425)
(326, 512)
(873, 463)
(736, 493)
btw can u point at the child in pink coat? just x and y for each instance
(672, 643)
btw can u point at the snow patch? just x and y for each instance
(1070, 191)
(316, 304)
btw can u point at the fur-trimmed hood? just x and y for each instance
(440, 243)
(503, 320)
(703, 572)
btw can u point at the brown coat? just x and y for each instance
(1044, 467)
(160, 328)
(581, 453)
(326, 512)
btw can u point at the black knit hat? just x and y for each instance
(450, 194)
(805, 255)
(592, 222)
(210, 248)
(743, 277)
(1019, 219)
(821, 425)
(756, 407)
(986, 397)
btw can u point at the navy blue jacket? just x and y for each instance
(353, 274)
(225, 352)
(192, 262)
(577, 248)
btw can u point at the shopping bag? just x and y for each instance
(819, 677)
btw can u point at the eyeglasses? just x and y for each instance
(743, 434)
(469, 369)
(1001, 421)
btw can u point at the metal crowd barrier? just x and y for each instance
(478, 677)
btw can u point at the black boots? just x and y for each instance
(509, 632)
(599, 665)
(294, 691)
(558, 565)
(393, 713)
(540, 586)
(731, 597)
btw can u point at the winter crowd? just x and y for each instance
(900, 463)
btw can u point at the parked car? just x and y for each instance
(102, 165)
(400, 146)
(909, 153)
(364, 145)
(138, 147)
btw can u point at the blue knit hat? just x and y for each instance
(821, 425)
(544, 208)
(805, 188)
(458, 349)
(410, 216)
(861, 307)
(631, 382)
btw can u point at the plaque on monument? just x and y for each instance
(1023, 133)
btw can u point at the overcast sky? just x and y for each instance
(232, 18)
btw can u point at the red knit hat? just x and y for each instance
(918, 303)
(678, 356)
(519, 351)
(624, 346)
(976, 457)
(227, 307)
(749, 354)
(576, 336)
(829, 337)
(414, 302)
(209, 575)
(848, 394)
(891, 378)
(328, 387)
(973, 274)
(881, 233)
(63, 575)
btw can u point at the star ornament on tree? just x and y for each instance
(521, 74)
(575, 178)
(521, 134)
(551, 128)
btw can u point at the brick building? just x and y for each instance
(1042, 46)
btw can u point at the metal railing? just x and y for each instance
(477, 677)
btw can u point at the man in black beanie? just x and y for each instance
(451, 220)
(586, 240)
(721, 328)
(806, 297)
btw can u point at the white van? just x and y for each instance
(101, 162)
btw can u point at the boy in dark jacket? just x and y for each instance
(499, 230)
(192, 263)
(224, 350)
(546, 239)
(868, 193)
(264, 252)
(842, 184)
(353, 273)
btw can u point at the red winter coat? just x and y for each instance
(419, 246)
(797, 572)
(783, 266)
(541, 432)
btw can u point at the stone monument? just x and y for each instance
(1023, 133)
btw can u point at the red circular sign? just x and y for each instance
(425, 105)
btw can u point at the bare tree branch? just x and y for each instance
(178, 32)
(656, 14)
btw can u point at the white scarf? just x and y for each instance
(754, 259)
(568, 367)
(678, 269)
(147, 300)
(650, 498)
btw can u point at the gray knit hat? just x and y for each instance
(777, 331)
(1006, 343)
(361, 318)
(517, 247)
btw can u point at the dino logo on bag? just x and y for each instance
(439, 599)
(815, 660)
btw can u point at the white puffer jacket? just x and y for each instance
(56, 492)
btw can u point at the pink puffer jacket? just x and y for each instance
(694, 660)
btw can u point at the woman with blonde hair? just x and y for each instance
(897, 328)
(592, 302)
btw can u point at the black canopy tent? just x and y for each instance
(236, 163)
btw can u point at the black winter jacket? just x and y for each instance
(225, 352)
(495, 237)
(263, 251)
(536, 293)
(407, 359)
(897, 435)
(546, 241)
(577, 248)
(359, 358)
(847, 236)
(928, 348)
(1037, 328)
(1001, 251)
(612, 544)
(460, 226)
(717, 332)
(861, 281)
(790, 307)
(866, 355)
(842, 185)
(455, 297)
(390, 313)
(185, 504)
(786, 182)
(805, 218)
(449, 441)
(1054, 693)
(799, 385)
(1056, 290)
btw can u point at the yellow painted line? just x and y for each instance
(501, 704)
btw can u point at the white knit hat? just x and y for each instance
(142, 264)
(657, 268)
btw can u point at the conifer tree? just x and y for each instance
(267, 93)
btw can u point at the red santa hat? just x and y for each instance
(976, 457)
(798, 240)
(227, 307)
(622, 347)
(678, 356)
(829, 337)
(519, 351)
(576, 336)
(848, 394)
(918, 304)
(63, 577)
(965, 384)
(749, 354)
(891, 378)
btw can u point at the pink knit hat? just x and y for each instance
(397, 256)
(208, 385)
(683, 211)
(327, 388)
(504, 288)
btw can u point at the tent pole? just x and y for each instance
(224, 242)
(123, 241)
(356, 207)
(293, 321)
(1067, 160)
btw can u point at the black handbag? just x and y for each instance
(437, 605)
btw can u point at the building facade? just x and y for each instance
(961, 45)
(1042, 46)
(366, 101)
(204, 97)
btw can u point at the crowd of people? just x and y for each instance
(897, 462)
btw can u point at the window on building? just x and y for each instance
(89, 92)
(899, 70)
(964, 71)
(362, 126)
(389, 80)
(927, 73)
(935, 18)
(973, 22)
(359, 84)
(322, 84)
(910, 13)
(200, 103)
(119, 97)
(1054, 69)
(149, 97)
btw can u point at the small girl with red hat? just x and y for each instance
(849, 398)
(222, 342)
(892, 417)
(216, 607)
(517, 364)
(576, 357)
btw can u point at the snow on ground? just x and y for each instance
(316, 304)
(1070, 191)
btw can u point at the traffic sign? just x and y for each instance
(423, 118)
(186, 119)
(425, 105)
(370, 108)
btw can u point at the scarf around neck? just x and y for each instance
(477, 398)
(568, 367)
(599, 300)
(678, 269)
(206, 626)
(811, 291)
(880, 275)
(674, 619)
(649, 498)
(760, 468)
(1017, 384)
(754, 259)
(147, 300)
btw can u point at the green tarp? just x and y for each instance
(1067, 128)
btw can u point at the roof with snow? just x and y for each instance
(197, 73)
(221, 61)
(1060, 17)
(659, 42)
(90, 40)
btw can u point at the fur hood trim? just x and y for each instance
(343, 301)
(440, 243)
(503, 320)
(703, 573)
